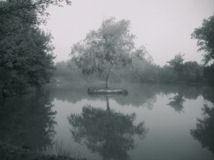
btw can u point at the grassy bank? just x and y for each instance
(11, 152)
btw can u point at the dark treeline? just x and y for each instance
(26, 59)
(143, 70)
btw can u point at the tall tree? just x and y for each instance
(25, 52)
(205, 37)
(109, 46)
(176, 64)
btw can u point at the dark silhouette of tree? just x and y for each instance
(205, 129)
(26, 58)
(208, 73)
(192, 72)
(105, 131)
(177, 65)
(179, 71)
(27, 121)
(12, 6)
(205, 37)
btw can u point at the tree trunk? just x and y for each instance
(107, 77)
(107, 82)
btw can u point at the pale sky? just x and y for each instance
(164, 27)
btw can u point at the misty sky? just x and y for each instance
(164, 27)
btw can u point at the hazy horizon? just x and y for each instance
(163, 27)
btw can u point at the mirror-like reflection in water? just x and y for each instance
(153, 122)
(27, 121)
(177, 102)
(104, 131)
(204, 131)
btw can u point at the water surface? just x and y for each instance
(153, 122)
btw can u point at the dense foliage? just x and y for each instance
(205, 37)
(179, 71)
(112, 45)
(25, 52)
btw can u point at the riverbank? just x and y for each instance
(11, 152)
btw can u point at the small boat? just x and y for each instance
(107, 91)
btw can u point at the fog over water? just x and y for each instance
(152, 122)
(163, 27)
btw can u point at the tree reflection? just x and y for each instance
(27, 121)
(139, 94)
(204, 131)
(177, 102)
(109, 133)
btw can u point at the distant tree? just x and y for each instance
(176, 64)
(110, 46)
(205, 36)
(142, 67)
(25, 52)
(167, 74)
(192, 72)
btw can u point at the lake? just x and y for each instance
(152, 122)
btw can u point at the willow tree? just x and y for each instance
(108, 47)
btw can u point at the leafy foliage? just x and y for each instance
(110, 46)
(205, 36)
(40, 6)
(25, 53)
(180, 71)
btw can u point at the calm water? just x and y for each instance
(152, 122)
